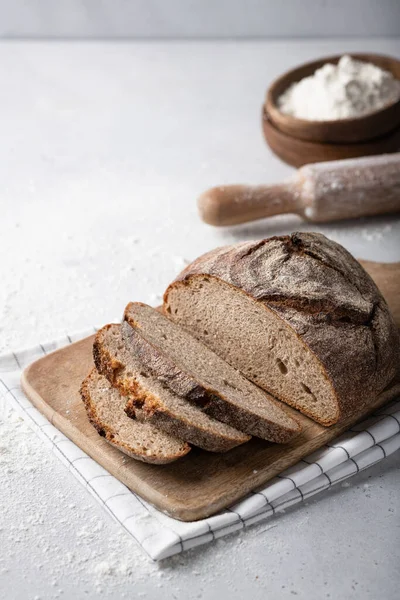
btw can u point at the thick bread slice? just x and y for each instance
(148, 398)
(298, 315)
(196, 373)
(142, 441)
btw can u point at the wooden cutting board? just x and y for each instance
(201, 483)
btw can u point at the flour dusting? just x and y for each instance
(41, 495)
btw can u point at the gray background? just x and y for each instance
(198, 18)
(103, 150)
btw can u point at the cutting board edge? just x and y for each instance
(149, 494)
(172, 506)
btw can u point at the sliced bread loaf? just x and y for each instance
(297, 315)
(149, 399)
(196, 373)
(142, 441)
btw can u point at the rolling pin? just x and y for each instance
(319, 192)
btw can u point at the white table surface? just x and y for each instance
(103, 150)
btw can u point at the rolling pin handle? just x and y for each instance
(233, 204)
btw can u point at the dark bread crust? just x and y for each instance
(108, 435)
(209, 400)
(149, 411)
(326, 297)
(144, 405)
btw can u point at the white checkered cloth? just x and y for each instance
(161, 536)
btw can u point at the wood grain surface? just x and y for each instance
(298, 152)
(309, 193)
(201, 483)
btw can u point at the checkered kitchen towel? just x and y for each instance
(161, 536)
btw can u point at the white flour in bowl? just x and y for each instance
(349, 89)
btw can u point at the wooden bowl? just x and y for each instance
(359, 129)
(297, 152)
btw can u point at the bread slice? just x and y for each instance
(149, 399)
(298, 315)
(196, 373)
(142, 441)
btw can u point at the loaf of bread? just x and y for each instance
(297, 315)
(195, 373)
(148, 399)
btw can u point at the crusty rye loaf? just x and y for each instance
(298, 315)
(196, 373)
(148, 399)
(142, 441)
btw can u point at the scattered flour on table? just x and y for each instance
(36, 505)
(373, 234)
(180, 262)
(39, 502)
